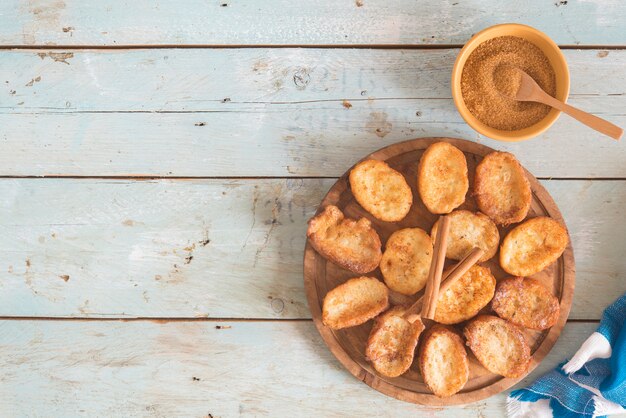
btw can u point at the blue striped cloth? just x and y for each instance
(596, 389)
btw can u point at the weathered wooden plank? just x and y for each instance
(265, 112)
(236, 79)
(219, 248)
(192, 369)
(281, 22)
(296, 140)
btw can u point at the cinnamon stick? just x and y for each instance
(433, 282)
(450, 277)
(461, 268)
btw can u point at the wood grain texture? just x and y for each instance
(199, 80)
(280, 22)
(192, 369)
(233, 248)
(124, 246)
(348, 345)
(266, 112)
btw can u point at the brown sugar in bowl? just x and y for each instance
(551, 51)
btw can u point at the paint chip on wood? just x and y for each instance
(378, 124)
(347, 104)
(603, 54)
(65, 277)
(57, 56)
(259, 65)
(223, 327)
(33, 81)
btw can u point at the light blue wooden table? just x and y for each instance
(159, 160)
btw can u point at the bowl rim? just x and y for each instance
(483, 129)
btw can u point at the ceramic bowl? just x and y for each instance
(549, 48)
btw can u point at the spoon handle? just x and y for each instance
(594, 122)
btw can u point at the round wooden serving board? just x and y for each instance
(348, 345)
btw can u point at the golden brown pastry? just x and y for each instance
(406, 260)
(467, 231)
(354, 302)
(392, 341)
(501, 188)
(532, 246)
(381, 190)
(499, 345)
(443, 361)
(353, 245)
(466, 297)
(442, 178)
(525, 302)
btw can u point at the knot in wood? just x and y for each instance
(277, 305)
(301, 78)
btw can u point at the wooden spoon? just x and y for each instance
(529, 91)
